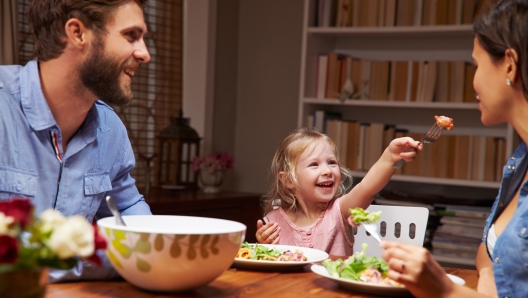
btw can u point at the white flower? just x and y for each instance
(5, 221)
(51, 219)
(74, 237)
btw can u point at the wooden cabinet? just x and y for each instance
(236, 206)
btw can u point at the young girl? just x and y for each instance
(307, 205)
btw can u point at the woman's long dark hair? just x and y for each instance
(505, 26)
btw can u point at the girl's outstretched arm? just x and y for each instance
(379, 174)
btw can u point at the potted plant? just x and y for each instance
(29, 246)
(211, 169)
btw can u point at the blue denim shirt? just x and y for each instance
(97, 162)
(510, 254)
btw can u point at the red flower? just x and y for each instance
(20, 209)
(8, 249)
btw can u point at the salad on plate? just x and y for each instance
(360, 267)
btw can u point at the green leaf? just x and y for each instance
(193, 239)
(175, 249)
(191, 253)
(142, 265)
(144, 236)
(121, 248)
(158, 242)
(119, 235)
(114, 259)
(142, 247)
(360, 215)
(214, 249)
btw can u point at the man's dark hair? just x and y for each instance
(47, 19)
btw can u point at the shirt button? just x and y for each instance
(19, 186)
(496, 259)
(501, 204)
(523, 231)
(513, 158)
(511, 168)
(309, 233)
(310, 245)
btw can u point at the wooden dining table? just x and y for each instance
(236, 282)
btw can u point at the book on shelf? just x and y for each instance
(390, 13)
(465, 221)
(455, 243)
(321, 117)
(459, 255)
(405, 13)
(352, 144)
(463, 211)
(320, 70)
(422, 81)
(373, 144)
(371, 13)
(398, 80)
(462, 231)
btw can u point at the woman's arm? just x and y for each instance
(486, 282)
(416, 268)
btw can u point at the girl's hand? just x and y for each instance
(416, 268)
(267, 233)
(404, 148)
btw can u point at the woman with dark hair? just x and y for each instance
(501, 83)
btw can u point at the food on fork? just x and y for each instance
(445, 122)
(359, 215)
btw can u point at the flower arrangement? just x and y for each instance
(213, 162)
(52, 240)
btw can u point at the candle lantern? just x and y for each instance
(178, 145)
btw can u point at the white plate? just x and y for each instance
(369, 287)
(312, 256)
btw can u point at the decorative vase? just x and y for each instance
(26, 283)
(211, 182)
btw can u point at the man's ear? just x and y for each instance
(77, 34)
(285, 180)
(511, 58)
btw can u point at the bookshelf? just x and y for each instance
(417, 42)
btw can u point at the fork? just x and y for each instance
(430, 137)
(372, 228)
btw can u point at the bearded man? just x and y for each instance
(61, 145)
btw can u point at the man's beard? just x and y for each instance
(101, 75)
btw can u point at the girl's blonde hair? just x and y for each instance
(285, 160)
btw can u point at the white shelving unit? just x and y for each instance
(439, 43)
(446, 42)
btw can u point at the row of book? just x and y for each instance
(389, 13)
(466, 157)
(459, 233)
(421, 81)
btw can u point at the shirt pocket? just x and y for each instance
(96, 184)
(16, 183)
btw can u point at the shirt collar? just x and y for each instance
(33, 102)
(36, 107)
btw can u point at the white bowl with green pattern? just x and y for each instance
(171, 253)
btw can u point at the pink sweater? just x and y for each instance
(327, 233)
